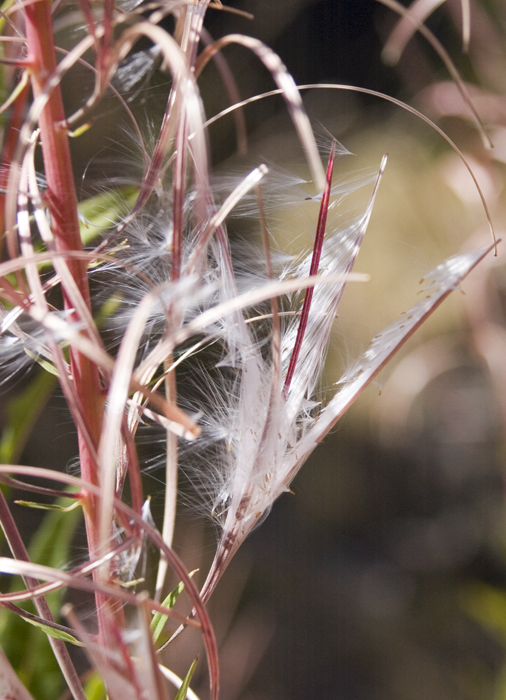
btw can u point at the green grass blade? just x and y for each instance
(52, 632)
(159, 619)
(183, 690)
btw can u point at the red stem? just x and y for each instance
(315, 263)
(178, 199)
(62, 204)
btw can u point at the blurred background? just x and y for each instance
(383, 577)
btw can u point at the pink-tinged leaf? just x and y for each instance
(466, 25)
(230, 85)
(248, 183)
(288, 89)
(11, 687)
(440, 282)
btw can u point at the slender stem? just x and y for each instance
(171, 473)
(315, 262)
(107, 24)
(178, 198)
(171, 464)
(62, 202)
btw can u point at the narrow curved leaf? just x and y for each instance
(183, 690)
(52, 632)
(159, 619)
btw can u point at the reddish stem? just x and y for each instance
(85, 6)
(107, 25)
(315, 263)
(178, 199)
(62, 203)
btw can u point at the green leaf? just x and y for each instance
(183, 690)
(45, 364)
(99, 213)
(159, 619)
(94, 688)
(52, 632)
(76, 133)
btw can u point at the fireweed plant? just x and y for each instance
(173, 294)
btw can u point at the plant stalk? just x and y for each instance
(62, 204)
